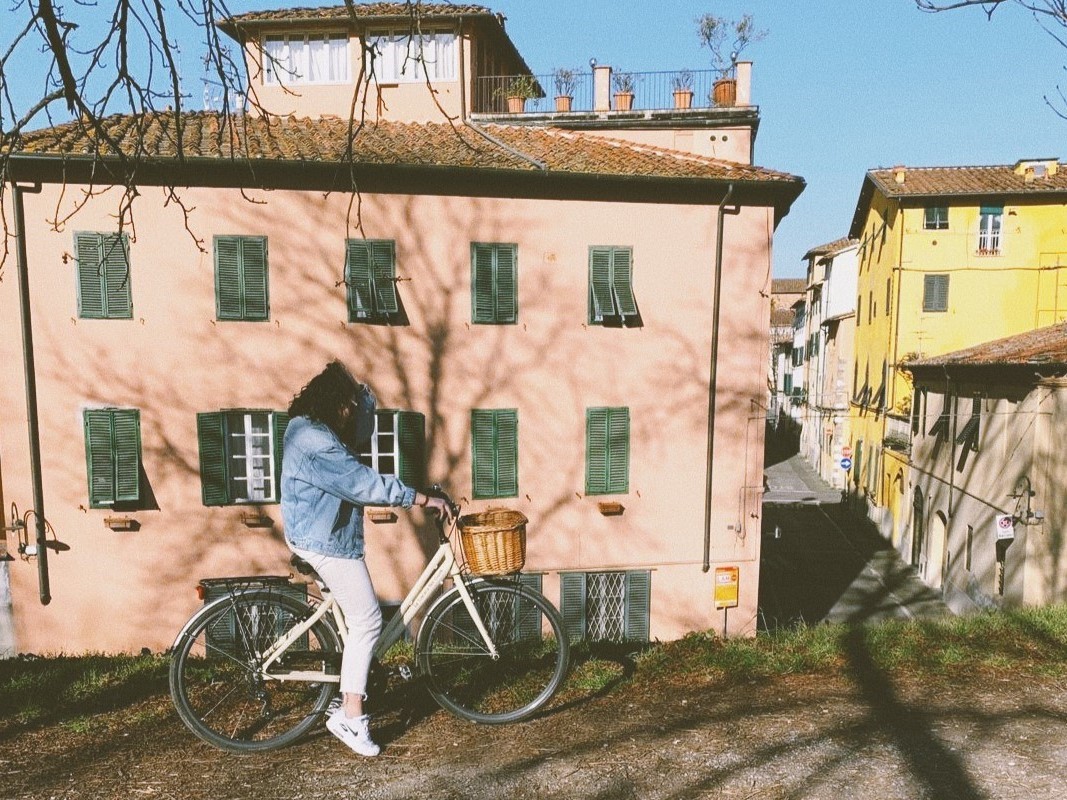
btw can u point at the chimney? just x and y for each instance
(601, 88)
(743, 75)
(898, 174)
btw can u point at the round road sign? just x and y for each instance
(846, 463)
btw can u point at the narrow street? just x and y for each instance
(820, 562)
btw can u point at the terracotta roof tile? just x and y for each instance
(830, 248)
(211, 136)
(788, 286)
(1043, 346)
(948, 181)
(362, 10)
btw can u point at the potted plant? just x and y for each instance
(624, 90)
(726, 39)
(517, 91)
(683, 88)
(566, 81)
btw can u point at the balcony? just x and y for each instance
(595, 93)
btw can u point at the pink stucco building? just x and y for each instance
(533, 298)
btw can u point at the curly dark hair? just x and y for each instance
(326, 394)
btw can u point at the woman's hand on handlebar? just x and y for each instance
(441, 507)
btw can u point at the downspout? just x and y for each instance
(31, 390)
(463, 115)
(713, 372)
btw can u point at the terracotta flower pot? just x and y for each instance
(563, 103)
(683, 98)
(624, 101)
(516, 105)
(724, 92)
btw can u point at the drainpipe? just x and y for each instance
(463, 115)
(31, 389)
(714, 369)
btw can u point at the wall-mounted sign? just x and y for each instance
(1005, 526)
(726, 579)
(846, 463)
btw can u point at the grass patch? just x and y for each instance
(34, 689)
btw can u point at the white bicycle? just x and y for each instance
(257, 668)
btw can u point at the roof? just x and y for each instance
(788, 285)
(260, 140)
(830, 248)
(782, 317)
(1043, 347)
(993, 182)
(238, 25)
(361, 10)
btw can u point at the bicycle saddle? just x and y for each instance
(304, 568)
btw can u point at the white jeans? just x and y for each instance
(349, 582)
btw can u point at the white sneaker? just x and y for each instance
(353, 731)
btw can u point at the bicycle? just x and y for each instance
(256, 668)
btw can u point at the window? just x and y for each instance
(240, 455)
(113, 455)
(935, 292)
(398, 446)
(305, 58)
(241, 278)
(859, 309)
(370, 275)
(969, 548)
(607, 450)
(611, 293)
(495, 452)
(494, 284)
(888, 295)
(936, 218)
(989, 222)
(103, 275)
(606, 606)
(403, 57)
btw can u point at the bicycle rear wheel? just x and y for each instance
(216, 679)
(460, 673)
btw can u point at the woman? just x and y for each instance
(324, 489)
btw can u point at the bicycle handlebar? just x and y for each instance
(438, 491)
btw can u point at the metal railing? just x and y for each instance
(652, 91)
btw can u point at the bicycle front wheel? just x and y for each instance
(462, 675)
(217, 682)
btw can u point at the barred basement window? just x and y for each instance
(606, 606)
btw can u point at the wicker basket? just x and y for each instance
(494, 541)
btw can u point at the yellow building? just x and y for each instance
(949, 257)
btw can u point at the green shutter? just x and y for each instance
(89, 258)
(384, 260)
(99, 456)
(507, 453)
(506, 284)
(214, 481)
(127, 444)
(279, 421)
(411, 438)
(228, 278)
(118, 302)
(638, 602)
(600, 259)
(528, 624)
(482, 307)
(596, 451)
(254, 274)
(572, 604)
(483, 453)
(358, 279)
(622, 281)
(618, 477)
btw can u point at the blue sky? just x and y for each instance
(843, 85)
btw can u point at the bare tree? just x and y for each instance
(128, 60)
(1051, 15)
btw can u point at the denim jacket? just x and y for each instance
(324, 489)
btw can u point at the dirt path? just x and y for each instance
(800, 737)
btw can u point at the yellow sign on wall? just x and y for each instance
(726, 579)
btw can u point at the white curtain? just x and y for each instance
(338, 58)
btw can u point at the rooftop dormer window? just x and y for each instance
(402, 57)
(303, 58)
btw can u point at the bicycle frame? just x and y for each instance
(442, 565)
